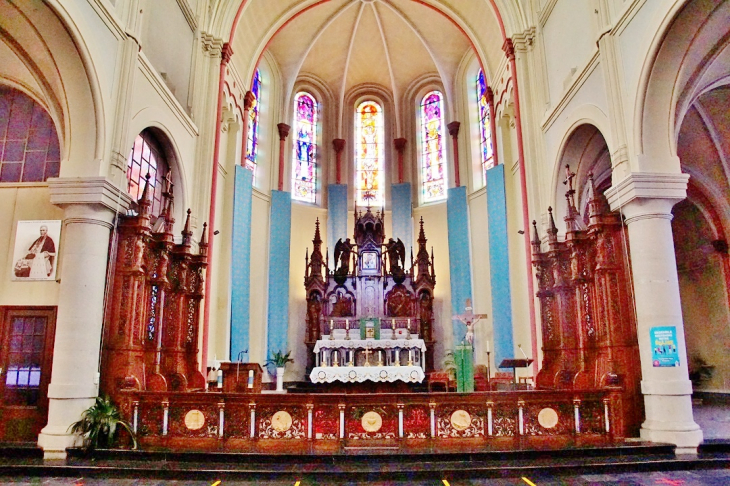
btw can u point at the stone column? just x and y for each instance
(646, 201)
(339, 145)
(400, 146)
(283, 133)
(90, 205)
(454, 132)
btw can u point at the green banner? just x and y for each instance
(464, 358)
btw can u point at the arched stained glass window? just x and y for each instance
(146, 157)
(433, 170)
(29, 150)
(252, 144)
(305, 148)
(485, 126)
(369, 154)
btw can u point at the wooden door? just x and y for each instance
(26, 354)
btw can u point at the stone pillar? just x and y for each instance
(283, 133)
(90, 205)
(339, 145)
(454, 132)
(646, 201)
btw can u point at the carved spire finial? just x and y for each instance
(186, 233)
(552, 229)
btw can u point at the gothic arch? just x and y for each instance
(51, 71)
(677, 68)
(586, 151)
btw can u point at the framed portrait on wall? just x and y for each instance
(36, 250)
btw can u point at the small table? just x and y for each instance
(514, 364)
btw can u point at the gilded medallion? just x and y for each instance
(281, 421)
(194, 420)
(371, 422)
(548, 418)
(460, 420)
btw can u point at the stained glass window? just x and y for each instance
(29, 149)
(369, 154)
(433, 171)
(485, 126)
(253, 122)
(305, 148)
(146, 157)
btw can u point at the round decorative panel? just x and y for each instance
(372, 421)
(322, 375)
(194, 420)
(548, 418)
(281, 421)
(460, 420)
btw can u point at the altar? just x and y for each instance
(369, 314)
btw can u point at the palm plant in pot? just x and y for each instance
(99, 424)
(279, 360)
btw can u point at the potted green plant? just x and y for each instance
(99, 424)
(279, 361)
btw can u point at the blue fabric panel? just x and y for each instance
(499, 265)
(241, 259)
(459, 257)
(336, 214)
(402, 217)
(279, 242)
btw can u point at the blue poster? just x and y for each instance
(664, 347)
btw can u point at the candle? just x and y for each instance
(487, 346)
(352, 355)
(347, 324)
(380, 360)
(393, 323)
(409, 324)
(410, 356)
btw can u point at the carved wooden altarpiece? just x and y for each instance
(152, 320)
(588, 320)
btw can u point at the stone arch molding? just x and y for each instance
(677, 68)
(589, 154)
(143, 120)
(62, 76)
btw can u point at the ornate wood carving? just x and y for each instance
(152, 320)
(588, 321)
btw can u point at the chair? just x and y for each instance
(502, 380)
(481, 380)
(441, 377)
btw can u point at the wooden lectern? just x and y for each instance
(514, 364)
(241, 377)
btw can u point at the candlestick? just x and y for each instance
(352, 357)
(410, 357)
(336, 362)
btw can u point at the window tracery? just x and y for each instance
(146, 157)
(305, 148)
(29, 149)
(485, 127)
(433, 170)
(253, 122)
(369, 154)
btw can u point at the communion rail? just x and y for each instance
(338, 423)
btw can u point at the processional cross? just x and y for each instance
(469, 318)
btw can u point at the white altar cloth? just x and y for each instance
(369, 343)
(359, 374)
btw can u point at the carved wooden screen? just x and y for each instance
(588, 320)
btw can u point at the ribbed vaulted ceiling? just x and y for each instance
(391, 43)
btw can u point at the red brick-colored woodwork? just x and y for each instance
(152, 320)
(588, 320)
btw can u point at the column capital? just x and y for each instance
(248, 100)
(91, 191)
(454, 128)
(338, 144)
(400, 144)
(283, 130)
(644, 195)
